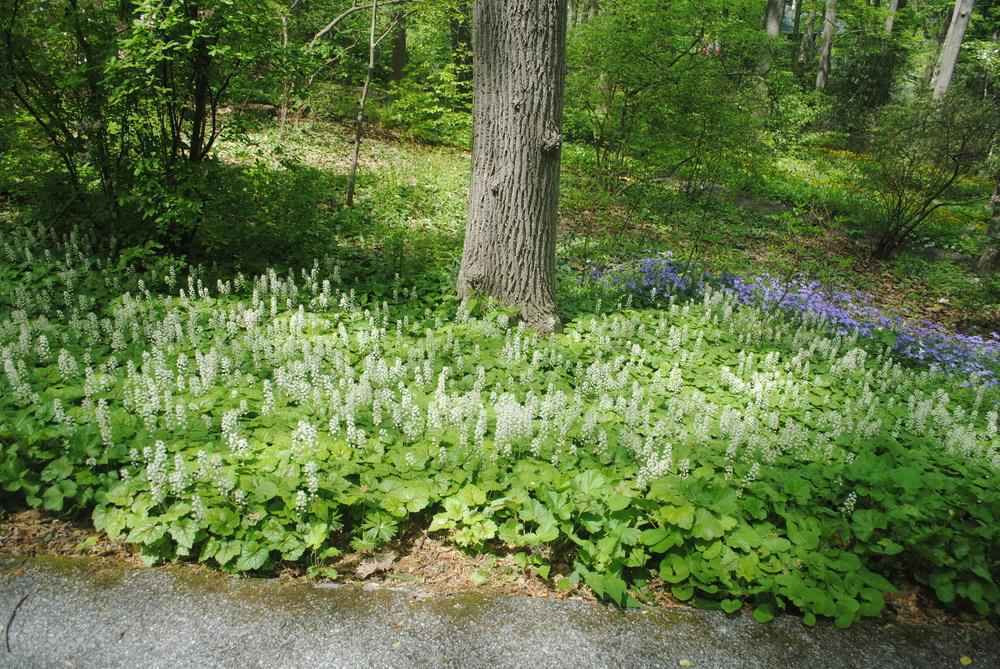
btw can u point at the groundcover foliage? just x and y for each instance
(734, 453)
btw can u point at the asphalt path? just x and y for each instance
(81, 613)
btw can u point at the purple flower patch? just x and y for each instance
(846, 312)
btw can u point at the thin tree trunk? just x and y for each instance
(286, 86)
(286, 82)
(890, 20)
(772, 19)
(201, 62)
(797, 24)
(826, 48)
(520, 62)
(952, 45)
(359, 121)
(808, 42)
(400, 55)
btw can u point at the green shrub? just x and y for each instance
(433, 105)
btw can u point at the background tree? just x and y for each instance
(948, 59)
(826, 44)
(519, 64)
(772, 18)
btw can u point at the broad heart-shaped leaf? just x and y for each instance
(120, 495)
(147, 532)
(183, 532)
(274, 531)
(681, 516)
(674, 568)
(412, 497)
(59, 468)
(265, 490)
(804, 532)
(731, 605)
(744, 538)
(591, 483)
(227, 551)
(253, 557)
(316, 535)
(53, 498)
(864, 522)
(615, 588)
(618, 502)
(763, 613)
(471, 496)
(944, 585)
(682, 592)
(661, 539)
(708, 526)
(109, 520)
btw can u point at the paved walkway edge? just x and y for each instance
(82, 613)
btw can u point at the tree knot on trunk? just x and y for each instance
(473, 279)
(552, 140)
(542, 321)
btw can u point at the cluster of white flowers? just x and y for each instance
(237, 443)
(304, 438)
(343, 362)
(103, 417)
(156, 470)
(847, 508)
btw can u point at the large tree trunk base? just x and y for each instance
(510, 242)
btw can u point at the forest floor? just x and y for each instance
(799, 221)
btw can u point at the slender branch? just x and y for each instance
(346, 13)
(360, 120)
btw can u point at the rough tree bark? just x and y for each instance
(952, 45)
(826, 44)
(519, 64)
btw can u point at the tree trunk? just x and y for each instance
(808, 42)
(797, 23)
(890, 20)
(826, 48)
(201, 63)
(952, 45)
(400, 55)
(772, 19)
(359, 120)
(510, 241)
(286, 82)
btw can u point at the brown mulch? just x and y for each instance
(418, 560)
(34, 533)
